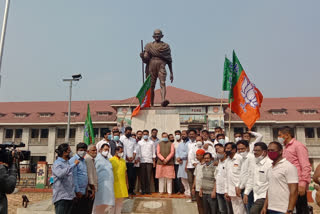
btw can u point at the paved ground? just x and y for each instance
(166, 205)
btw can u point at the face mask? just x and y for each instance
(228, 153)
(208, 164)
(222, 141)
(238, 139)
(165, 139)
(105, 153)
(273, 155)
(128, 135)
(220, 156)
(110, 137)
(243, 154)
(145, 137)
(71, 154)
(81, 153)
(258, 159)
(199, 144)
(172, 141)
(116, 138)
(120, 155)
(281, 140)
(178, 137)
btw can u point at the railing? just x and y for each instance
(28, 176)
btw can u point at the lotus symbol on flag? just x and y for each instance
(248, 93)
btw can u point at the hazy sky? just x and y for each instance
(277, 42)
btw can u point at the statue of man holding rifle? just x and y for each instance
(156, 55)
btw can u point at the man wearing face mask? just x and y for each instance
(233, 170)
(217, 131)
(115, 142)
(165, 169)
(225, 207)
(257, 181)
(107, 137)
(63, 186)
(297, 154)
(237, 136)
(138, 135)
(182, 157)
(92, 175)
(120, 179)
(147, 161)
(104, 199)
(80, 179)
(283, 183)
(178, 187)
(221, 138)
(129, 146)
(192, 145)
(247, 165)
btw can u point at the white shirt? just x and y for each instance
(146, 151)
(258, 137)
(233, 169)
(176, 144)
(138, 155)
(198, 174)
(192, 147)
(221, 177)
(210, 149)
(247, 165)
(257, 181)
(129, 147)
(155, 143)
(279, 176)
(100, 143)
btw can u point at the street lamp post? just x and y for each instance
(3, 32)
(76, 77)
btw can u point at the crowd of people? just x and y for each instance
(220, 176)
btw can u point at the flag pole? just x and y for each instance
(125, 114)
(142, 62)
(229, 132)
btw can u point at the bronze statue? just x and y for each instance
(156, 56)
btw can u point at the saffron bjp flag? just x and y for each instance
(88, 129)
(246, 98)
(144, 96)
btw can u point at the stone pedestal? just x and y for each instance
(165, 119)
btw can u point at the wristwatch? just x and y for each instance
(289, 211)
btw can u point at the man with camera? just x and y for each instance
(8, 177)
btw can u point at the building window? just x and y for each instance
(9, 133)
(275, 132)
(45, 114)
(72, 133)
(2, 115)
(20, 115)
(34, 133)
(278, 111)
(72, 114)
(104, 113)
(61, 133)
(309, 132)
(96, 132)
(44, 133)
(238, 129)
(318, 132)
(308, 111)
(18, 133)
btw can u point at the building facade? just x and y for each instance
(42, 125)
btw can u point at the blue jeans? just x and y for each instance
(250, 201)
(210, 205)
(274, 212)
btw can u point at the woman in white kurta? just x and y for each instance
(104, 198)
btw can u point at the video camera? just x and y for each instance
(9, 153)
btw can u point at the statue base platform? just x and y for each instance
(165, 119)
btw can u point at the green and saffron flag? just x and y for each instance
(88, 129)
(246, 97)
(144, 96)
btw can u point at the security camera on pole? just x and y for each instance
(75, 77)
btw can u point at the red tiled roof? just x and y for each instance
(291, 104)
(58, 108)
(175, 96)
